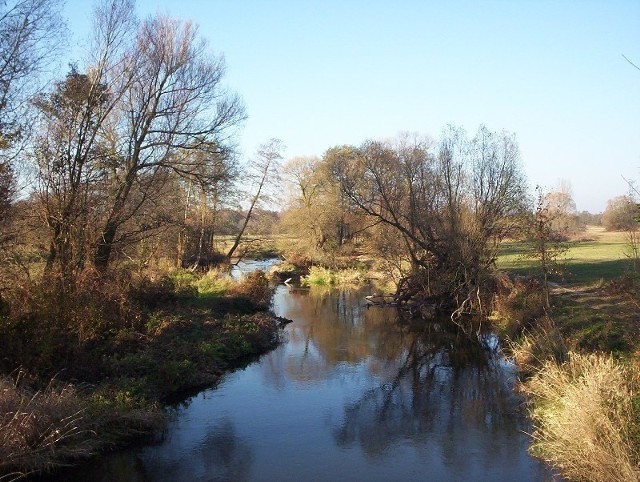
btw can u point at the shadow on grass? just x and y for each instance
(575, 272)
(589, 329)
(588, 272)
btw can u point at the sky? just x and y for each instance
(317, 74)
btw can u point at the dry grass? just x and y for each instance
(585, 413)
(517, 305)
(537, 346)
(38, 429)
(41, 430)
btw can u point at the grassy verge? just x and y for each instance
(319, 276)
(98, 391)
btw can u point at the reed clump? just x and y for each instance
(586, 415)
(254, 288)
(538, 345)
(41, 428)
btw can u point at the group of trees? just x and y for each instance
(433, 210)
(318, 210)
(130, 154)
(621, 214)
(118, 139)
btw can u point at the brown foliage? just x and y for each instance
(255, 289)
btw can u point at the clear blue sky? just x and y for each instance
(320, 73)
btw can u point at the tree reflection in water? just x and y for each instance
(354, 394)
(439, 387)
(219, 455)
(447, 392)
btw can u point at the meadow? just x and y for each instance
(594, 256)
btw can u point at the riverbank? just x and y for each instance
(192, 334)
(580, 366)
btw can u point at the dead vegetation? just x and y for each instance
(586, 413)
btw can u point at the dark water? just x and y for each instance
(352, 395)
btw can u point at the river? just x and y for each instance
(353, 395)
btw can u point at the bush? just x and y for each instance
(587, 418)
(255, 289)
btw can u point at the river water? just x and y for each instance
(353, 394)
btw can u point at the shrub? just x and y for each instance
(255, 289)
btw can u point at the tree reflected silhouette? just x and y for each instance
(446, 389)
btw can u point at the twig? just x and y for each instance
(625, 57)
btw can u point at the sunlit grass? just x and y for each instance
(593, 256)
(586, 415)
(319, 276)
(213, 283)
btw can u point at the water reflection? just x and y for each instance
(352, 395)
(219, 455)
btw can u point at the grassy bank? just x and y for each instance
(580, 358)
(106, 388)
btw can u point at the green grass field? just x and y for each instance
(593, 256)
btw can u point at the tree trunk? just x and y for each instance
(104, 247)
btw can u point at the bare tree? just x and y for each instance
(621, 214)
(265, 170)
(68, 151)
(146, 110)
(31, 33)
(172, 106)
(205, 193)
(449, 207)
(547, 243)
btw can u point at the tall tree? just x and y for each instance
(66, 154)
(147, 110)
(173, 105)
(205, 193)
(70, 154)
(31, 33)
